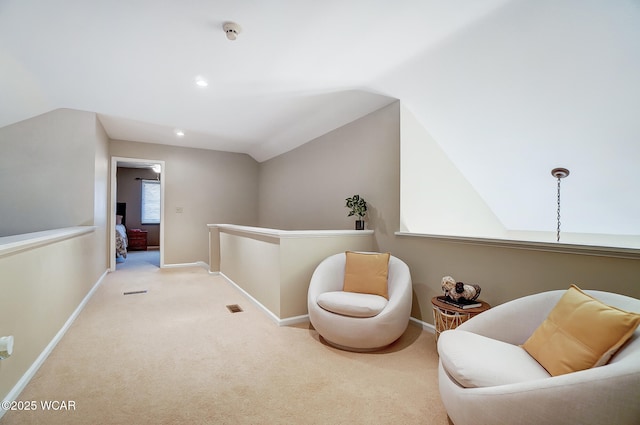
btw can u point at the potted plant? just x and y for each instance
(358, 208)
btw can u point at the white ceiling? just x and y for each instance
(509, 88)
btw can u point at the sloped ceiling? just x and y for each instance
(509, 88)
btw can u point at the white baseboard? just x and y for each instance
(28, 375)
(280, 322)
(305, 317)
(424, 325)
(289, 321)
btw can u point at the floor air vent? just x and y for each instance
(234, 308)
(135, 292)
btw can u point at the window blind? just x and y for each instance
(150, 213)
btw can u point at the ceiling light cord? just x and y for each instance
(558, 228)
(559, 173)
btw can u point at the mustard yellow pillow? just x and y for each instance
(366, 273)
(579, 333)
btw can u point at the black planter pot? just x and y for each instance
(359, 224)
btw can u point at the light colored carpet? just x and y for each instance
(177, 355)
(140, 259)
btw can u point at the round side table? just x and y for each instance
(446, 316)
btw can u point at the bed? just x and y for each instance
(121, 231)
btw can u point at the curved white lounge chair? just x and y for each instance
(355, 321)
(506, 386)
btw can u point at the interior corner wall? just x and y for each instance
(435, 198)
(207, 186)
(100, 196)
(306, 187)
(47, 172)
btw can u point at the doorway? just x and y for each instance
(145, 230)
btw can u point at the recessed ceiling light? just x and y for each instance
(201, 82)
(179, 132)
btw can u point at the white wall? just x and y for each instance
(435, 198)
(534, 85)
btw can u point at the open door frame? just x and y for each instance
(113, 195)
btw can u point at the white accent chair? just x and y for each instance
(507, 387)
(359, 322)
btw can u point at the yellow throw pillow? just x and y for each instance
(580, 333)
(366, 273)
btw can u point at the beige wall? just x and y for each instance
(40, 290)
(54, 174)
(47, 172)
(61, 158)
(254, 265)
(275, 267)
(507, 273)
(100, 199)
(299, 258)
(209, 186)
(305, 188)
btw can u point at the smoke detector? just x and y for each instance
(232, 29)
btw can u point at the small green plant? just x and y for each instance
(358, 206)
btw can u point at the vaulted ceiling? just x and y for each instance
(508, 88)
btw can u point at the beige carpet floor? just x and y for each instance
(175, 354)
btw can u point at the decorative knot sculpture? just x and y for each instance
(459, 290)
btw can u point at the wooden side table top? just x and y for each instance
(448, 307)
